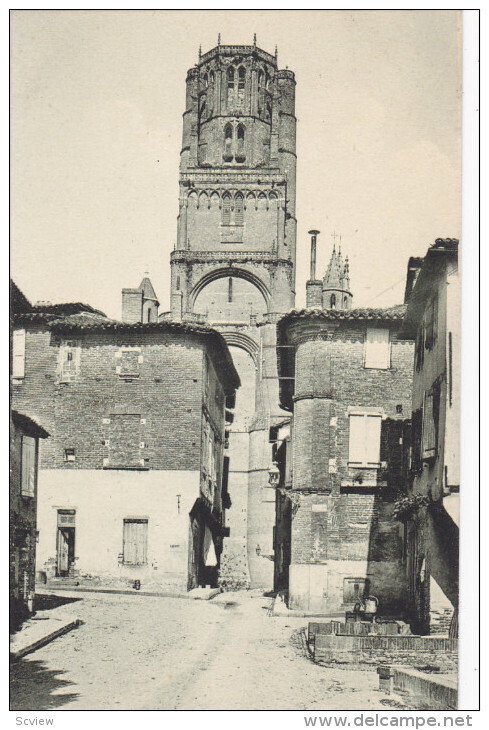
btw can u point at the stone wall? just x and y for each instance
(367, 651)
(167, 394)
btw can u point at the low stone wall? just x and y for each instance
(358, 628)
(426, 691)
(368, 651)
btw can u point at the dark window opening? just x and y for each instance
(230, 289)
(228, 143)
(230, 78)
(332, 301)
(240, 150)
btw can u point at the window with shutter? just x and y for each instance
(28, 467)
(364, 440)
(18, 354)
(377, 348)
(430, 419)
(135, 541)
(431, 323)
(419, 350)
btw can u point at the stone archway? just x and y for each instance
(230, 295)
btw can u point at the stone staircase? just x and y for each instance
(440, 621)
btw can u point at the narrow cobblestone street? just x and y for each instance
(144, 652)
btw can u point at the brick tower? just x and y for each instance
(234, 263)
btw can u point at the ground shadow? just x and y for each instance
(47, 602)
(32, 686)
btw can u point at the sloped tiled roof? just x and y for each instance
(362, 313)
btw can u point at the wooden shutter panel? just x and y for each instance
(28, 474)
(372, 440)
(135, 542)
(377, 348)
(429, 434)
(18, 354)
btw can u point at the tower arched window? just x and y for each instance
(206, 81)
(261, 77)
(210, 94)
(226, 210)
(230, 78)
(345, 302)
(228, 142)
(332, 301)
(241, 83)
(239, 210)
(240, 144)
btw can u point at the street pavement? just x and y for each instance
(151, 653)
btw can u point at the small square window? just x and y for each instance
(70, 455)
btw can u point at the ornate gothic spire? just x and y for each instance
(336, 281)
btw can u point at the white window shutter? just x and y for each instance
(373, 428)
(28, 466)
(18, 354)
(377, 348)
(357, 439)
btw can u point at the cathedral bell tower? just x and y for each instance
(233, 265)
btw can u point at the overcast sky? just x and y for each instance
(97, 103)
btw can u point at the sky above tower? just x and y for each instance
(97, 102)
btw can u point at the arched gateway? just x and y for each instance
(234, 265)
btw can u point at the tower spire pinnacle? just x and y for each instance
(336, 281)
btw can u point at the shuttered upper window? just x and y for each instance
(135, 541)
(364, 439)
(28, 468)
(431, 411)
(377, 348)
(18, 354)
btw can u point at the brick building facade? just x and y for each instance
(347, 379)
(131, 483)
(25, 434)
(234, 263)
(432, 529)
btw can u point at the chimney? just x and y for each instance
(314, 294)
(132, 305)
